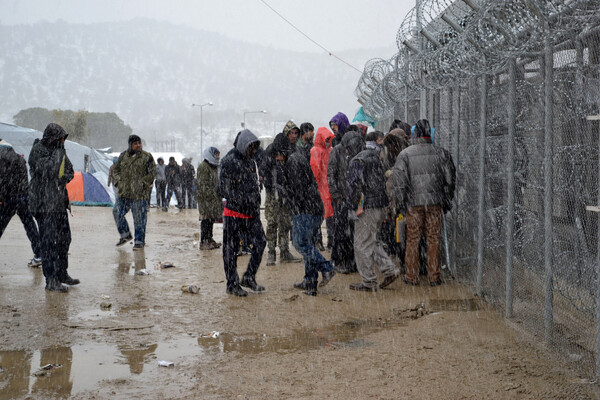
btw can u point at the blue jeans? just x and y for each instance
(304, 230)
(139, 209)
(234, 229)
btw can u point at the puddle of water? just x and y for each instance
(346, 335)
(81, 367)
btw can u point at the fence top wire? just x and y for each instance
(446, 42)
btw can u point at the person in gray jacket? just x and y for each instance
(342, 252)
(424, 179)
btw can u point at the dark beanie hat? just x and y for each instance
(134, 138)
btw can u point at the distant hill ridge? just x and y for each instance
(149, 72)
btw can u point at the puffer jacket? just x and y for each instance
(14, 181)
(366, 178)
(50, 171)
(337, 170)
(210, 204)
(134, 174)
(319, 160)
(424, 175)
(239, 181)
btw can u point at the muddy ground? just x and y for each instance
(403, 342)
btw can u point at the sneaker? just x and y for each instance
(271, 258)
(326, 278)
(288, 257)
(35, 262)
(124, 240)
(388, 280)
(138, 246)
(362, 287)
(312, 291)
(237, 291)
(252, 285)
(436, 283)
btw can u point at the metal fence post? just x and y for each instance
(481, 198)
(510, 171)
(548, 155)
(456, 131)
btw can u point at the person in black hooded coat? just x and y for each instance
(50, 171)
(239, 184)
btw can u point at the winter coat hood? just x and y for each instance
(322, 135)
(353, 142)
(341, 120)
(289, 127)
(4, 143)
(53, 134)
(212, 155)
(244, 140)
(281, 145)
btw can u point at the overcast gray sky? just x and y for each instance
(335, 24)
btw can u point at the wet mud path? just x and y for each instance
(105, 338)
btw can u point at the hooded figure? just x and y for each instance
(292, 132)
(342, 252)
(210, 203)
(50, 171)
(239, 184)
(340, 120)
(277, 207)
(14, 187)
(319, 160)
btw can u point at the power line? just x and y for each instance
(308, 37)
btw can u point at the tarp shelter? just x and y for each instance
(85, 190)
(83, 158)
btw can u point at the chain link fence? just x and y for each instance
(513, 89)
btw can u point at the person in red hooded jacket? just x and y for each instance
(319, 159)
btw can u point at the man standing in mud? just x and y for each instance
(424, 180)
(367, 200)
(134, 175)
(240, 186)
(51, 170)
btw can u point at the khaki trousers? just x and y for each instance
(421, 219)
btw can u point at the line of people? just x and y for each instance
(369, 188)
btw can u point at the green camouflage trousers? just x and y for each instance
(279, 223)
